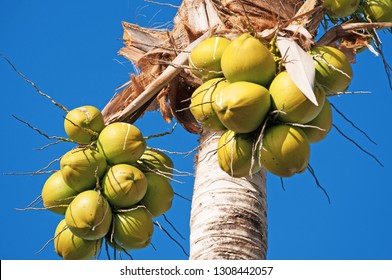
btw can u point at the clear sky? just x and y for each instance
(69, 49)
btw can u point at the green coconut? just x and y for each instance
(378, 10)
(333, 70)
(83, 124)
(121, 142)
(71, 247)
(81, 168)
(295, 107)
(159, 195)
(341, 8)
(322, 124)
(156, 161)
(202, 104)
(237, 155)
(247, 59)
(89, 215)
(56, 194)
(133, 228)
(109, 240)
(285, 150)
(242, 106)
(205, 58)
(124, 185)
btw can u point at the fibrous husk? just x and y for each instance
(121, 143)
(89, 215)
(71, 247)
(285, 150)
(202, 101)
(159, 196)
(124, 185)
(56, 194)
(81, 167)
(133, 228)
(318, 128)
(242, 106)
(156, 161)
(236, 154)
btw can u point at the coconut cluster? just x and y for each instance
(109, 187)
(373, 10)
(266, 119)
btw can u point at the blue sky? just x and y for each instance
(69, 49)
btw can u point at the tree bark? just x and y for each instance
(228, 215)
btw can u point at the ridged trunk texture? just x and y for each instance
(228, 215)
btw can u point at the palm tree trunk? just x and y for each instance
(228, 215)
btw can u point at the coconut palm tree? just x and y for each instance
(228, 215)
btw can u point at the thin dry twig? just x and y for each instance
(346, 93)
(387, 67)
(172, 238)
(173, 227)
(311, 170)
(282, 184)
(88, 130)
(63, 139)
(352, 123)
(343, 29)
(41, 208)
(29, 173)
(163, 133)
(107, 251)
(358, 146)
(48, 145)
(43, 169)
(35, 202)
(33, 84)
(50, 240)
(180, 195)
(153, 246)
(209, 154)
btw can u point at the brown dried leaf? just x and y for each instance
(179, 97)
(300, 66)
(164, 107)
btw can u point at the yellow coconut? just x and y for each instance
(295, 107)
(83, 124)
(237, 155)
(205, 58)
(378, 10)
(333, 70)
(56, 194)
(121, 142)
(247, 59)
(201, 104)
(156, 161)
(124, 185)
(89, 215)
(110, 241)
(81, 168)
(285, 150)
(242, 106)
(341, 8)
(159, 195)
(133, 228)
(71, 247)
(322, 124)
